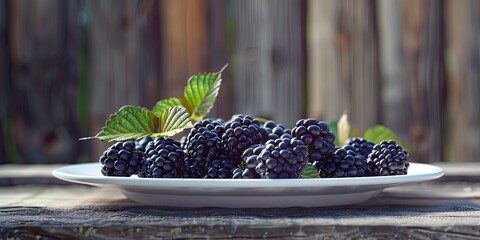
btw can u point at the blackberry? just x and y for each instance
(361, 145)
(163, 159)
(220, 168)
(388, 158)
(279, 158)
(317, 137)
(346, 163)
(249, 162)
(241, 132)
(202, 146)
(141, 144)
(276, 130)
(121, 159)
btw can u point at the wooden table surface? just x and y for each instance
(447, 208)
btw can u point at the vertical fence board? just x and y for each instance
(394, 89)
(123, 66)
(4, 81)
(184, 47)
(424, 51)
(463, 19)
(268, 57)
(344, 68)
(43, 80)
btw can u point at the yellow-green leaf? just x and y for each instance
(162, 105)
(379, 133)
(129, 122)
(201, 93)
(172, 121)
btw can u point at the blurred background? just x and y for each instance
(413, 66)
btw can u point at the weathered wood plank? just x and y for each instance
(5, 78)
(268, 59)
(344, 68)
(463, 39)
(41, 91)
(123, 60)
(394, 92)
(424, 55)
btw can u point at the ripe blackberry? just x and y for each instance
(141, 144)
(317, 137)
(163, 159)
(121, 159)
(276, 130)
(241, 132)
(202, 146)
(220, 168)
(361, 145)
(346, 163)
(279, 158)
(388, 158)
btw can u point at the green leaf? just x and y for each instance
(172, 121)
(343, 128)
(162, 105)
(378, 133)
(332, 125)
(310, 172)
(129, 122)
(201, 93)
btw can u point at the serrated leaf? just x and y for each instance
(310, 172)
(129, 122)
(343, 128)
(201, 93)
(162, 105)
(378, 133)
(172, 121)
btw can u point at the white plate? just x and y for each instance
(246, 193)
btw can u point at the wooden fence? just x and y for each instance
(411, 65)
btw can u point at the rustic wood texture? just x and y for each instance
(268, 59)
(463, 38)
(411, 65)
(43, 78)
(123, 60)
(4, 79)
(346, 78)
(428, 210)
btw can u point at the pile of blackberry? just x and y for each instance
(317, 136)
(121, 159)
(244, 148)
(361, 146)
(241, 132)
(163, 159)
(388, 158)
(346, 163)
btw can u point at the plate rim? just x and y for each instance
(64, 173)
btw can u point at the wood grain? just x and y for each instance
(268, 60)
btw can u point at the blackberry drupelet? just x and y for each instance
(346, 163)
(276, 130)
(361, 145)
(202, 146)
(241, 132)
(388, 158)
(317, 137)
(121, 159)
(163, 159)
